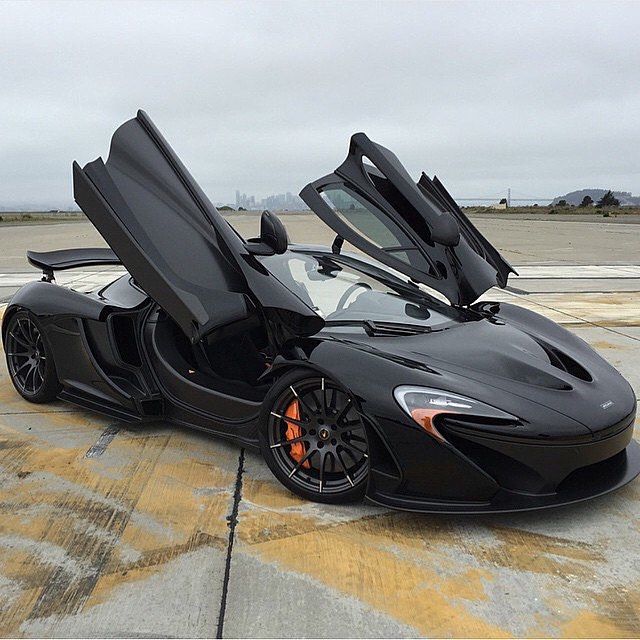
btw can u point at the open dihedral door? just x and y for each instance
(164, 229)
(416, 229)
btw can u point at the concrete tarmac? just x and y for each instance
(111, 530)
(570, 240)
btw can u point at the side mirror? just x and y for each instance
(273, 236)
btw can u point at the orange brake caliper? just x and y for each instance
(297, 450)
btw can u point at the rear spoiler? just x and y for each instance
(50, 261)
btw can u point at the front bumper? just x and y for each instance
(508, 476)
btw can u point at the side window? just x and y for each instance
(373, 225)
(365, 218)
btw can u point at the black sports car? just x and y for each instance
(350, 377)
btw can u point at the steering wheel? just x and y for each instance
(342, 303)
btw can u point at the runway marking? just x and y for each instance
(576, 272)
(103, 441)
(611, 311)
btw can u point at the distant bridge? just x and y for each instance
(511, 199)
(506, 194)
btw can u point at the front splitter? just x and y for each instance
(505, 501)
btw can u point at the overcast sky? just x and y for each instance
(541, 97)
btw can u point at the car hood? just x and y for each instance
(517, 368)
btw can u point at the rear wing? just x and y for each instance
(50, 261)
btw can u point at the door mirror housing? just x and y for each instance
(273, 236)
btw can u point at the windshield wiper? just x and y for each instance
(378, 328)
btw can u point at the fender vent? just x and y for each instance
(124, 335)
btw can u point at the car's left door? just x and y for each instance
(173, 240)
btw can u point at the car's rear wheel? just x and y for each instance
(29, 359)
(314, 440)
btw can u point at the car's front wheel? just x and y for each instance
(29, 359)
(313, 438)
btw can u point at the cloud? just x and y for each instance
(541, 97)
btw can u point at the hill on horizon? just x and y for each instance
(575, 197)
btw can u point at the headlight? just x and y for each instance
(424, 404)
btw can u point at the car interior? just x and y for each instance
(230, 359)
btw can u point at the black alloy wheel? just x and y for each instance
(29, 359)
(315, 440)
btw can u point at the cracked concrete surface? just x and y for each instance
(135, 541)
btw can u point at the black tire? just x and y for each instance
(30, 359)
(323, 456)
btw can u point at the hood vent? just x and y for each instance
(562, 361)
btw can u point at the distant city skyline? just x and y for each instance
(291, 202)
(279, 201)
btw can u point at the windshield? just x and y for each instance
(343, 289)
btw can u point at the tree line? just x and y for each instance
(607, 200)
